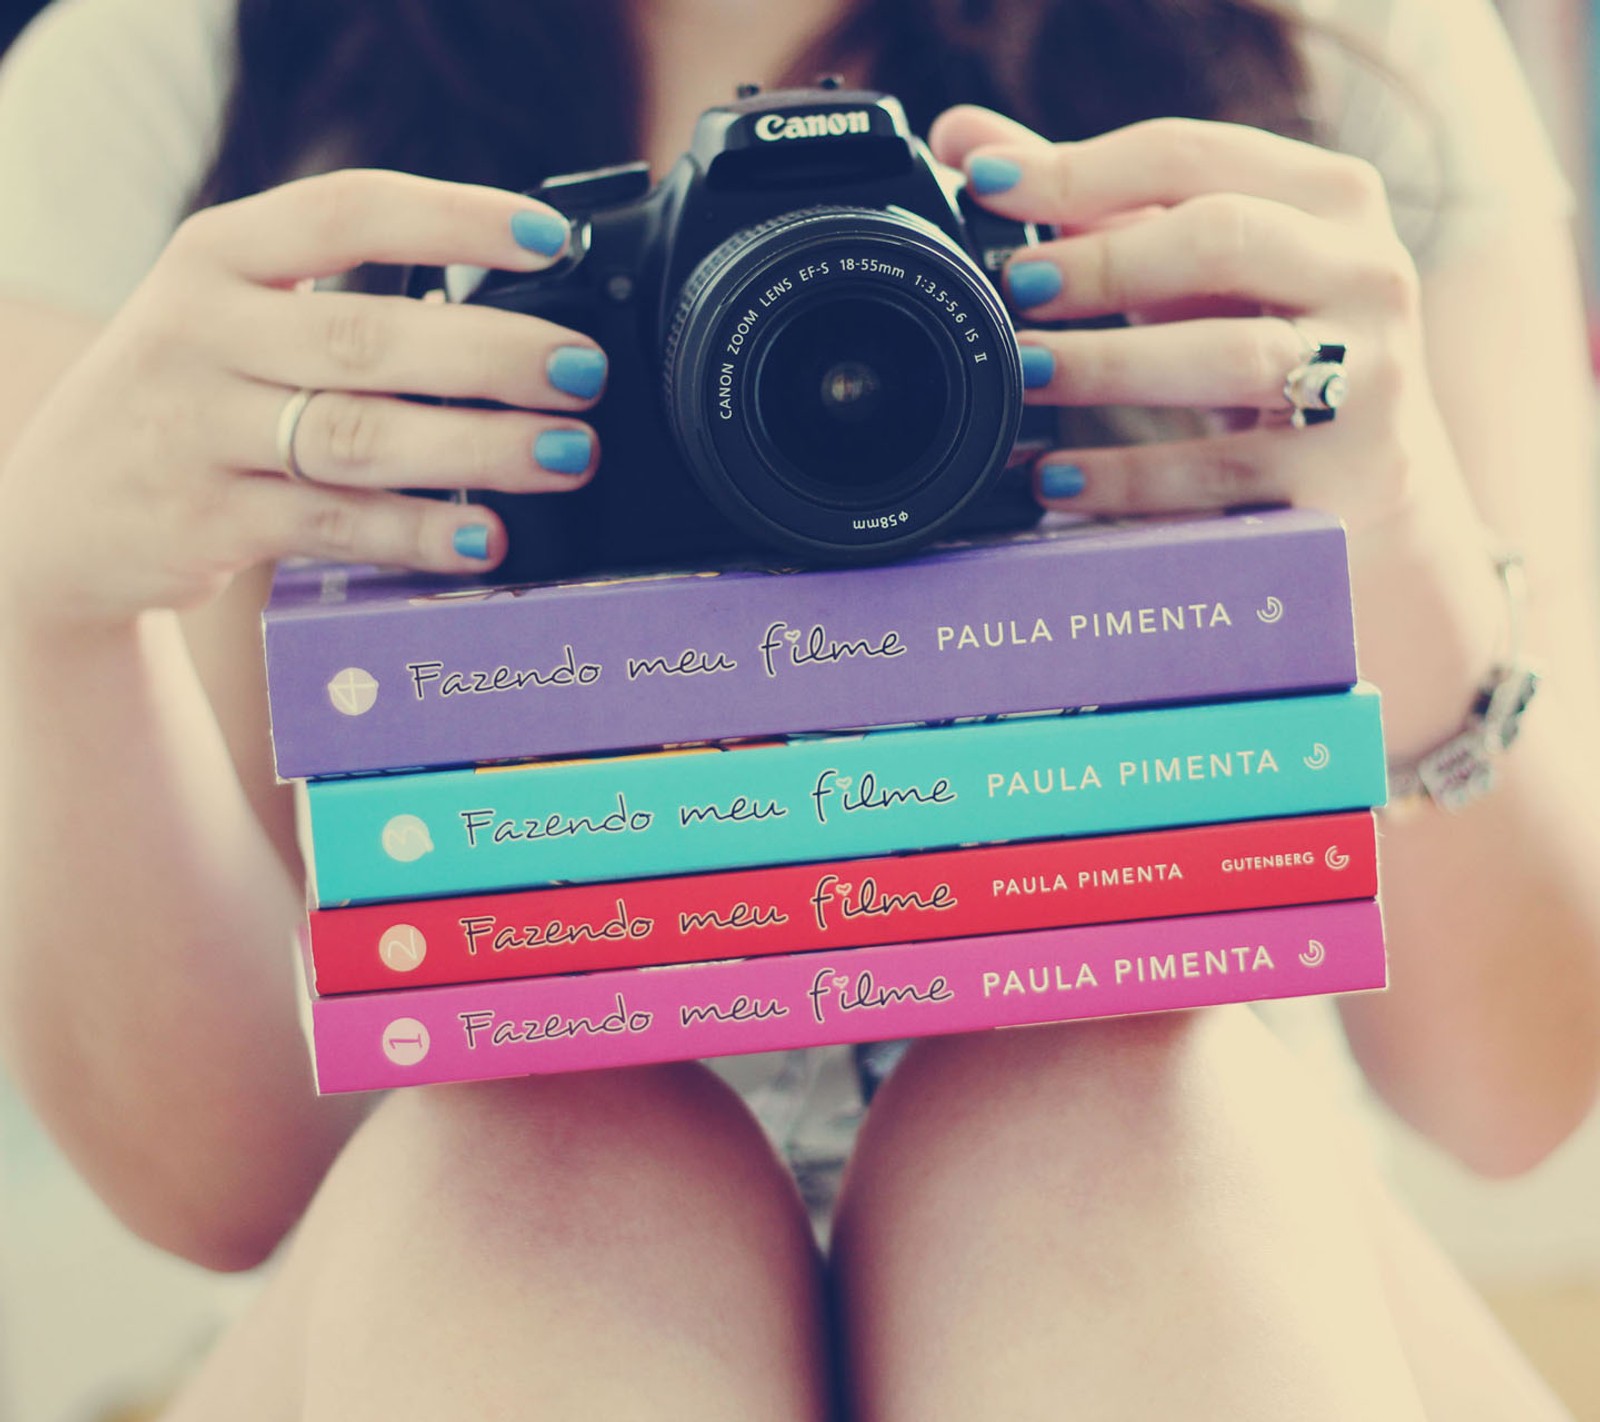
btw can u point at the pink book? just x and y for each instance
(630, 1016)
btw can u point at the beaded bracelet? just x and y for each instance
(1462, 769)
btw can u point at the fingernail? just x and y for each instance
(564, 451)
(1038, 367)
(1033, 282)
(990, 174)
(577, 370)
(1060, 481)
(541, 232)
(472, 541)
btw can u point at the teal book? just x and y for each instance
(407, 836)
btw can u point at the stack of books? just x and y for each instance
(1094, 770)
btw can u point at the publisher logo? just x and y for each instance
(402, 948)
(405, 1041)
(353, 691)
(1319, 759)
(1336, 859)
(406, 839)
(1314, 955)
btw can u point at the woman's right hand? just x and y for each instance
(151, 473)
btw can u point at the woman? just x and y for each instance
(1148, 1218)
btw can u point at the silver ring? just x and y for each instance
(288, 425)
(1316, 387)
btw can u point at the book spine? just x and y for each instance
(1257, 610)
(630, 1016)
(634, 817)
(845, 904)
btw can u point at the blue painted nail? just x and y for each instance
(564, 451)
(541, 232)
(1038, 367)
(577, 370)
(1033, 282)
(990, 174)
(472, 541)
(1060, 481)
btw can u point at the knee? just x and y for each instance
(1118, 1099)
(1115, 1073)
(560, 1155)
(624, 1235)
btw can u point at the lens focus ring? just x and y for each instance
(713, 265)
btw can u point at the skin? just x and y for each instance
(142, 507)
(1212, 234)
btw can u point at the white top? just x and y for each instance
(109, 110)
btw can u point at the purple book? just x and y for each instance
(373, 670)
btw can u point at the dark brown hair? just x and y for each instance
(507, 93)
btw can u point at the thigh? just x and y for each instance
(607, 1244)
(1467, 1367)
(1126, 1219)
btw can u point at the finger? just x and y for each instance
(1211, 364)
(1264, 465)
(957, 131)
(327, 224)
(1165, 162)
(377, 442)
(1216, 246)
(287, 518)
(1192, 308)
(333, 340)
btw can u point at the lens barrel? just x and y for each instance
(842, 382)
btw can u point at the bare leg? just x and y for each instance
(1467, 1367)
(1117, 1220)
(613, 1245)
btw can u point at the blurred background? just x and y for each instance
(95, 1327)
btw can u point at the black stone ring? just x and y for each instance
(1315, 389)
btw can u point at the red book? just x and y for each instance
(798, 908)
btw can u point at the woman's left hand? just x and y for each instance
(1212, 238)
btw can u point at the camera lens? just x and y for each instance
(848, 398)
(842, 382)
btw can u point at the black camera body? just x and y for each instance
(808, 350)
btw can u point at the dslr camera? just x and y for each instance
(808, 350)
